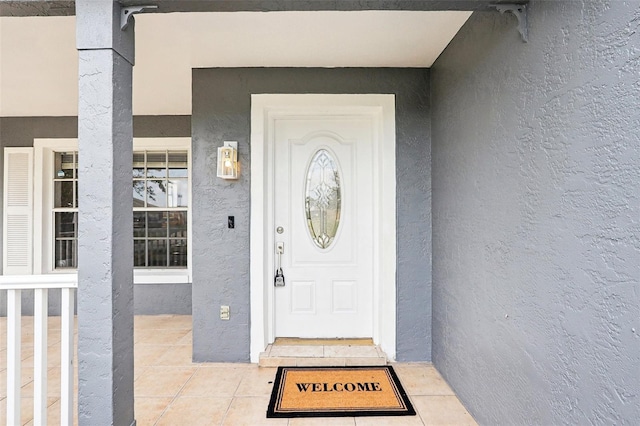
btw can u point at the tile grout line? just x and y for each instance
(176, 395)
(233, 398)
(418, 413)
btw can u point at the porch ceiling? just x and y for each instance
(67, 7)
(39, 65)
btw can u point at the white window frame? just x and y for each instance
(44, 150)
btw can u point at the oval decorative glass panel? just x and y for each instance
(323, 198)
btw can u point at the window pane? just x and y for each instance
(157, 252)
(139, 253)
(138, 193)
(65, 233)
(178, 164)
(139, 224)
(66, 225)
(157, 173)
(157, 224)
(63, 194)
(178, 253)
(66, 254)
(156, 164)
(64, 165)
(156, 193)
(178, 193)
(178, 224)
(138, 164)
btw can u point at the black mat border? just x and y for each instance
(410, 411)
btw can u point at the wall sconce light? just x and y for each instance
(228, 160)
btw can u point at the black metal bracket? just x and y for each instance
(520, 12)
(127, 13)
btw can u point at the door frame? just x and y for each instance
(265, 109)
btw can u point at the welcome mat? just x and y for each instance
(338, 392)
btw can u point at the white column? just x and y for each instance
(14, 344)
(66, 356)
(40, 315)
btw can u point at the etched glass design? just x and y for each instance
(323, 199)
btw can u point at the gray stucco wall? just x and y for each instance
(20, 132)
(536, 224)
(222, 111)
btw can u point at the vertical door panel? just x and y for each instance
(328, 291)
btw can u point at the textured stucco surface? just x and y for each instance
(20, 132)
(222, 111)
(536, 224)
(105, 246)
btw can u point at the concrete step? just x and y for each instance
(277, 355)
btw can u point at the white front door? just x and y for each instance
(323, 215)
(335, 285)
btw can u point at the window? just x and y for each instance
(65, 209)
(161, 216)
(160, 200)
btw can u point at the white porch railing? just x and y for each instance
(14, 285)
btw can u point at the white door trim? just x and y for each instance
(265, 108)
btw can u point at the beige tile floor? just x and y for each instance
(171, 390)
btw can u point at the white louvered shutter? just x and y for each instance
(18, 212)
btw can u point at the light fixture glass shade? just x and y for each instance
(228, 161)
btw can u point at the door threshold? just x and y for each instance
(298, 341)
(322, 352)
